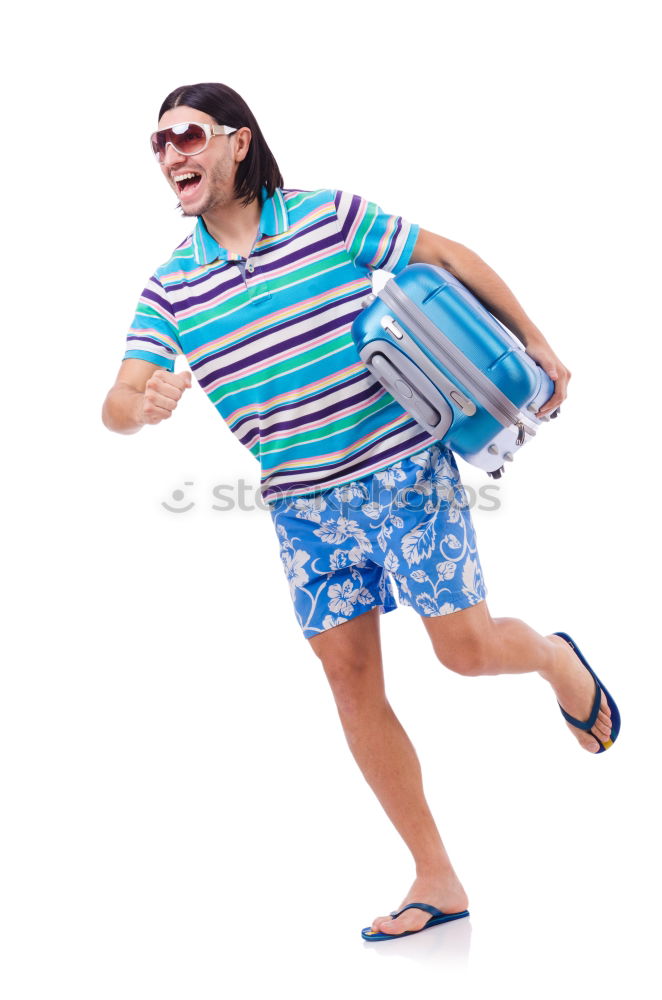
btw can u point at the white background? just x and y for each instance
(181, 814)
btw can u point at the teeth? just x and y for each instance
(184, 177)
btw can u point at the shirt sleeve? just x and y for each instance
(373, 239)
(153, 335)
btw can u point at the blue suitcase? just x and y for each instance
(459, 373)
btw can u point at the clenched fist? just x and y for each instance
(163, 391)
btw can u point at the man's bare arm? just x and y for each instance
(495, 295)
(143, 393)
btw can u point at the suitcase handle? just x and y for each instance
(447, 387)
(397, 384)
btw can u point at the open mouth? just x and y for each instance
(187, 183)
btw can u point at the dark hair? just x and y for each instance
(227, 107)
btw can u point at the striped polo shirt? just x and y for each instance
(269, 337)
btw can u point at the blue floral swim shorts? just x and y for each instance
(410, 522)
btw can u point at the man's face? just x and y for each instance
(215, 167)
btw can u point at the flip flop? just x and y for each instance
(437, 918)
(599, 689)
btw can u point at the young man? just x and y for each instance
(260, 299)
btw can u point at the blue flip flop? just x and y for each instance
(438, 917)
(599, 689)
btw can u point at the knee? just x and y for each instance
(471, 658)
(355, 684)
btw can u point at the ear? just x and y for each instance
(242, 138)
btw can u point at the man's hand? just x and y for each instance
(163, 391)
(542, 353)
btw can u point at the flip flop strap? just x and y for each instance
(419, 906)
(590, 722)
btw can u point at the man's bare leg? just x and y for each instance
(470, 642)
(474, 644)
(351, 656)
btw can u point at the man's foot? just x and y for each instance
(444, 892)
(575, 692)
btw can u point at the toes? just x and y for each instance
(603, 724)
(588, 740)
(398, 926)
(387, 925)
(602, 727)
(378, 923)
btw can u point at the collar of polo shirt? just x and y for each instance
(273, 222)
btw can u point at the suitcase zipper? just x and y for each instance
(494, 401)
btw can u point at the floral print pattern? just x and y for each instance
(410, 523)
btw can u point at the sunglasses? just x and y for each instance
(186, 138)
